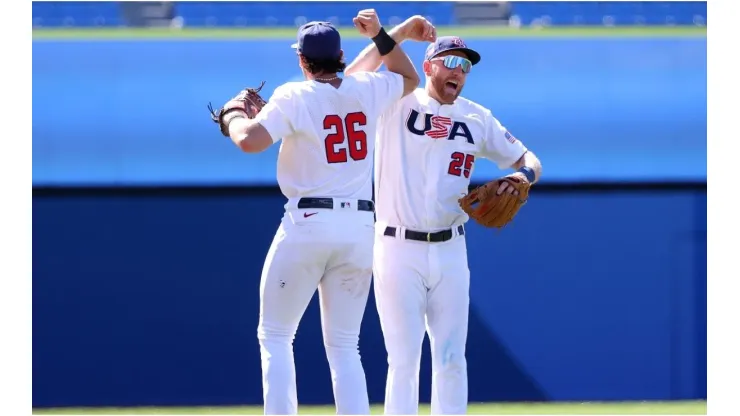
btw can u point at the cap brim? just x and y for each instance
(294, 46)
(472, 55)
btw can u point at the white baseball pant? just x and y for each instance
(330, 250)
(423, 286)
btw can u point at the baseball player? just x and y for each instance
(325, 239)
(427, 146)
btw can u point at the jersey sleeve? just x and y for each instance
(275, 116)
(384, 89)
(499, 145)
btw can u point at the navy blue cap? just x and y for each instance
(451, 43)
(318, 40)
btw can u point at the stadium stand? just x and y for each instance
(237, 14)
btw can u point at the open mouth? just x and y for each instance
(451, 86)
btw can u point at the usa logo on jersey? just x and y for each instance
(509, 137)
(438, 127)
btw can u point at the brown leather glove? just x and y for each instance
(495, 211)
(247, 101)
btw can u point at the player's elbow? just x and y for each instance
(251, 144)
(535, 161)
(528, 159)
(250, 137)
(410, 83)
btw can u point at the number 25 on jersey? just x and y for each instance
(461, 164)
(346, 137)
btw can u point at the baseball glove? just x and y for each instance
(495, 211)
(248, 101)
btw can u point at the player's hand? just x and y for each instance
(418, 28)
(506, 188)
(367, 23)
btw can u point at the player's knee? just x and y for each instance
(340, 349)
(274, 332)
(274, 339)
(450, 362)
(407, 370)
(341, 341)
(404, 361)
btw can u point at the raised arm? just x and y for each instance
(414, 28)
(386, 50)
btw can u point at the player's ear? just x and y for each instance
(341, 54)
(427, 67)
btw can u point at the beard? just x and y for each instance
(447, 89)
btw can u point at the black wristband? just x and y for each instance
(384, 42)
(528, 172)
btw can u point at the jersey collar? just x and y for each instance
(446, 110)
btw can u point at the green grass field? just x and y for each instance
(615, 408)
(286, 33)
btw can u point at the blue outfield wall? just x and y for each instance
(134, 112)
(153, 300)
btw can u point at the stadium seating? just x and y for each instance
(296, 13)
(611, 13)
(229, 14)
(76, 14)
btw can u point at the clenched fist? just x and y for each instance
(418, 28)
(367, 23)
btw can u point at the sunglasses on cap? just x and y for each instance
(452, 62)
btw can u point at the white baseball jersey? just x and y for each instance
(325, 151)
(425, 156)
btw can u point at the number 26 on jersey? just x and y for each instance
(346, 139)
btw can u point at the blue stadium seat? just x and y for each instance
(78, 14)
(291, 14)
(295, 13)
(617, 13)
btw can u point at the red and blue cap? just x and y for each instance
(451, 43)
(318, 40)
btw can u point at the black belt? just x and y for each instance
(437, 237)
(328, 203)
